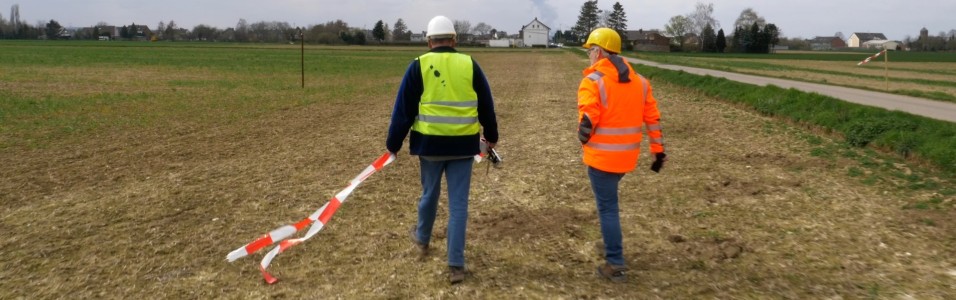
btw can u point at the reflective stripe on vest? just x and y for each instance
(614, 147)
(653, 140)
(597, 77)
(447, 120)
(618, 131)
(449, 103)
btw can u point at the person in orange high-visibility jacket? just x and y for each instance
(615, 104)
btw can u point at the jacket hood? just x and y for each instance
(613, 64)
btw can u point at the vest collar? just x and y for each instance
(611, 65)
(443, 49)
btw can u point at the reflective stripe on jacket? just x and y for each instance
(449, 104)
(614, 103)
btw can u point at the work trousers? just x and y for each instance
(458, 174)
(605, 188)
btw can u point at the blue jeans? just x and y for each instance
(458, 174)
(604, 185)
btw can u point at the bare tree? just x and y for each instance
(400, 31)
(747, 17)
(482, 29)
(15, 20)
(171, 31)
(702, 16)
(2, 26)
(242, 31)
(463, 29)
(160, 29)
(604, 18)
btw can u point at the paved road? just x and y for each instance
(918, 106)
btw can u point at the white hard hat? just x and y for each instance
(440, 27)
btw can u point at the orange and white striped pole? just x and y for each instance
(886, 68)
(318, 219)
(868, 59)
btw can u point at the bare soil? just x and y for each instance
(742, 210)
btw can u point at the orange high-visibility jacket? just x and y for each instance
(613, 105)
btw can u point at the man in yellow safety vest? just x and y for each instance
(445, 100)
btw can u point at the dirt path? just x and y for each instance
(741, 211)
(933, 109)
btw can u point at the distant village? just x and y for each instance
(534, 33)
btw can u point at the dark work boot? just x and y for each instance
(456, 274)
(422, 247)
(612, 272)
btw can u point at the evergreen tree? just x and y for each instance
(378, 33)
(346, 37)
(617, 20)
(737, 40)
(587, 20)
(53, 30)
(708, 39)
(721, 41)
(771, 36)
(755, 39)
(358, 37)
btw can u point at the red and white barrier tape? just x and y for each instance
(322, 215)
(871, 57)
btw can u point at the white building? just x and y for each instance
(859, 38)
(535, 34)
(882, 44)
(502, 43)
(417, 37)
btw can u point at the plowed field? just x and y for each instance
(149, 191)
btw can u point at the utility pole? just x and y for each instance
(302, 42)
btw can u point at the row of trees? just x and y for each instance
(592, 17)
(695, 32)
(944, 41)
(15, 28)
(333, 32)
(401, 33)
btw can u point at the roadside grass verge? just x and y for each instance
(915, 70)
(906, 136)
(854, 56)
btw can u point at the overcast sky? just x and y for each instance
(808, 18)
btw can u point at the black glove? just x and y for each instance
(659, 159)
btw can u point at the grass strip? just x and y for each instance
(904, 134)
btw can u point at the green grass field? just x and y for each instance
(56, 89)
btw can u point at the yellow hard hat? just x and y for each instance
(606, 38)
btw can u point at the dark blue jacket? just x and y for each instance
(406, 111)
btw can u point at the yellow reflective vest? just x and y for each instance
(449, 104)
